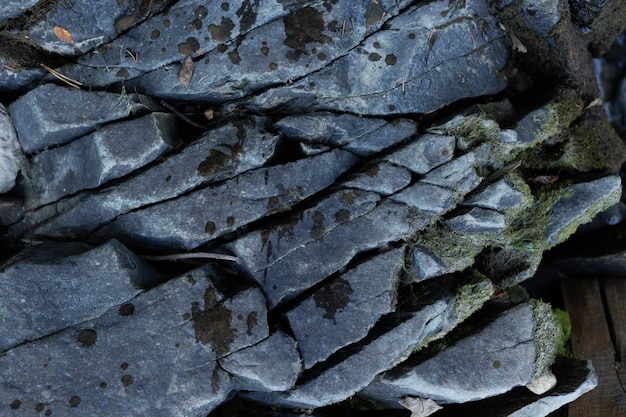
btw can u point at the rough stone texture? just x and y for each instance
(383, 178)
(498, 196)
(577, 202)
(457, 374)
(250, 367)
(10, 152)
(346, 308)
(188, 221)
(154, 355)
(424, 154)
(478, 220)
(52, 287)
(39, 124)
(10, 8)
(110, 152)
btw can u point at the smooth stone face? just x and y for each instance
(10, 152)
(111, 152)
(250, 367)
(346, 308)
(426, 265)
(498, 196)
(188, 221)
(48, 290)
(425, 153)
(426, 197)
(154, 354)
(221, 153)
(10, 8)
(458, 374)
(589, 197)
(39, 124)
(382, 178)
(478, 220)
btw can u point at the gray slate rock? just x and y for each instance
(489, 362)
(348, 376)
(363, 136)
(433, 40)
(250, 369)
(18, 79)
(154, 354)
(346, 308)
(382, 178)
(10, 152)
(585, 200)
(220, 153)
(111, 152)
(498, 196)
(10, 8)
(478, 220)
(425, 153)
(52, 287)
(188, 222)
(40, 124)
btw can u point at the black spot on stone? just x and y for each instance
(374, 57)
(234, 56)
(124, 365)
(222, 32)
(200, 12)
(372, 171)
(48, 412)
(391, 107)
(74, 401)
(273, 202)
(273, 66)
(347, 198)
(318, 217)
(317, 232)
(230, 221)
(166, 23)
(39, 407)
(213, 327)
(247, 13)
(390, 59)
(377, 45)
(155, 34)
(215, 160)
(321, 56)
(342, 216)
(209, 227)
(103, 384)
(333, 297)
(301, 28)
(191, 279)
(177, 345)
(87, 338)
(124, 23)
(239, 316)
(15, 404)
(411, 35)
(169, 177)
(221, 48)
(251, 321)
(265, 50)
(196, 24)
(122, 73)
(188, 47)
(225, 6)
(186, 316)
(127, 380)
(496, 364)
(126, 309)
(373, 13)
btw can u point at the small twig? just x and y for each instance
(69, 81)
(197, 255)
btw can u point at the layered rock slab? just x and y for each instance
(154, 355)
(10, 152)
(51, 287)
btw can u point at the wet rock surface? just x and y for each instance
(371, 179)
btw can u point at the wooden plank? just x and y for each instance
(591, 339)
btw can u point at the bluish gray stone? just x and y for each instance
(362, 136)
(583, 202)
(110, 152)
(54, 286)
(426, 197)
(425, 153)
(460, 173)
(478, 220)
(426, 265)
(251, 366)
(10, 8)
(346, 308)
(40, 124)
(382, 178)
(11, 159)
(188, 222)
(221, 153)
(491, 361)
(498, 196)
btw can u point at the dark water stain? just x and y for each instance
(127, 380)
(247, 13)
(374, 57)
(191, 279)
(15, 404)
(210, 227)
(301, 28)
(391, 59)
(342, 216)
(87, 338)
(74, 401)
(317, 232)
(126, 309)
(216, 159)
(188, 47)
(333, 297)
(373, 171)
(213, 327)
(251, 321)
(215, 379)
(200, 12)
(373, 13)
(347, 198)
(222, 32)
(39, 407)
(234, 56)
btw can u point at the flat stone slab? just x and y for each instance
(346, 308)
(11, 8)
(425, 153)
(53, 286)
(155, 354)
(39, 124)
(458, 374)
(188, 222)
(10, 152)
(89, 162)
(498, 196)
(478, 220)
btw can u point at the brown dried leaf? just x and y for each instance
(186, 71)
(63, 34)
